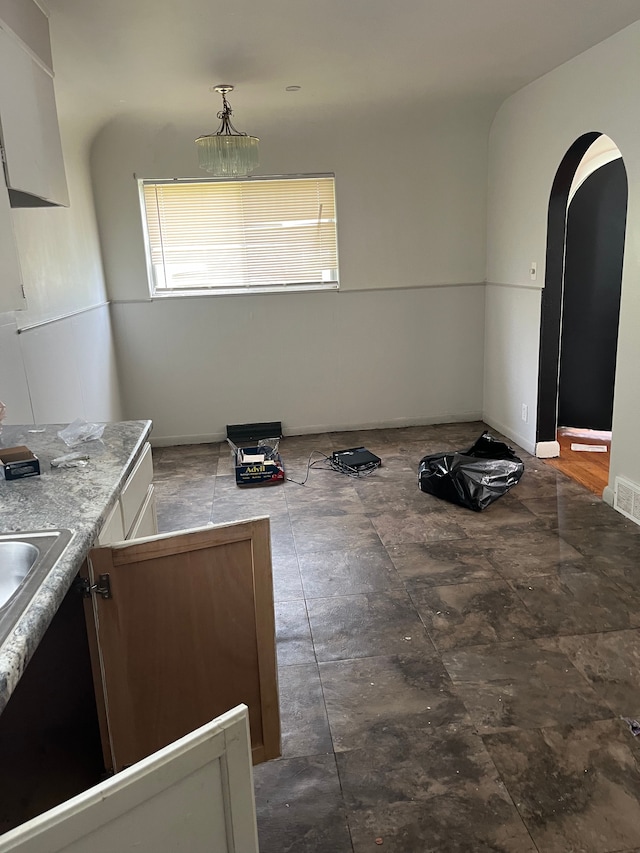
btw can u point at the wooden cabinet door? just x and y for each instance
(187, 633)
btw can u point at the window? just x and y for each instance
(240, 236)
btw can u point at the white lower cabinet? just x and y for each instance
(194, 795)
(137, 678)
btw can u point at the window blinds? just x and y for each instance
(230, 236)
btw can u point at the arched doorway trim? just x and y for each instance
(551, 298)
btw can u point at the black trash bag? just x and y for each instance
(473, 478)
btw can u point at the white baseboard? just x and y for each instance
(315, 429)
(547, 449)
(398, 423)
(608, 495)
(520, 440)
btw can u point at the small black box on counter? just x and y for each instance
(18, 462)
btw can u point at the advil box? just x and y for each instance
(258, 465)
(255, 449)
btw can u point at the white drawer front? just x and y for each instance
(146, 523)
(136, 488)
(113, 529)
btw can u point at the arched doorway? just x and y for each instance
(580, 302)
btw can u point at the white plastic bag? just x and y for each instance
(80, 431)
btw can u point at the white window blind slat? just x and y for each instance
(236, 235)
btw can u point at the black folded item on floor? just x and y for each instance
(472, 478)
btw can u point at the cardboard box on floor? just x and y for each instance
(256, 457)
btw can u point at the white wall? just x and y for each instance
(57, 359)
(400, 343)
(511, 347)
(596, 91)
(315, 361)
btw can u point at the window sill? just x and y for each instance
(245, 291)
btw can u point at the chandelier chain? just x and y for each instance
(226, 128)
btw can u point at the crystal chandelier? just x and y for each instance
(227, 153)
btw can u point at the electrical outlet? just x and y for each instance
(533, 270)
(525, 413)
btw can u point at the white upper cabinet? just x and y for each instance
(30, 135)
(28, 20)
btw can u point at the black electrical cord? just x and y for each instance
(332, 464)
(310, 465)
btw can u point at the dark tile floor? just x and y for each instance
(449, 681)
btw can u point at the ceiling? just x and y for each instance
(158, 59)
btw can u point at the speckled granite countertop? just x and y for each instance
(75, 498)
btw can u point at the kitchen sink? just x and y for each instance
(16, 561)
(25, 561)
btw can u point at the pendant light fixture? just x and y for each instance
(227, 153)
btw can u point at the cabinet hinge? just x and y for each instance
(3, 156)
(103, 587)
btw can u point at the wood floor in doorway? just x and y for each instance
(589, 468)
